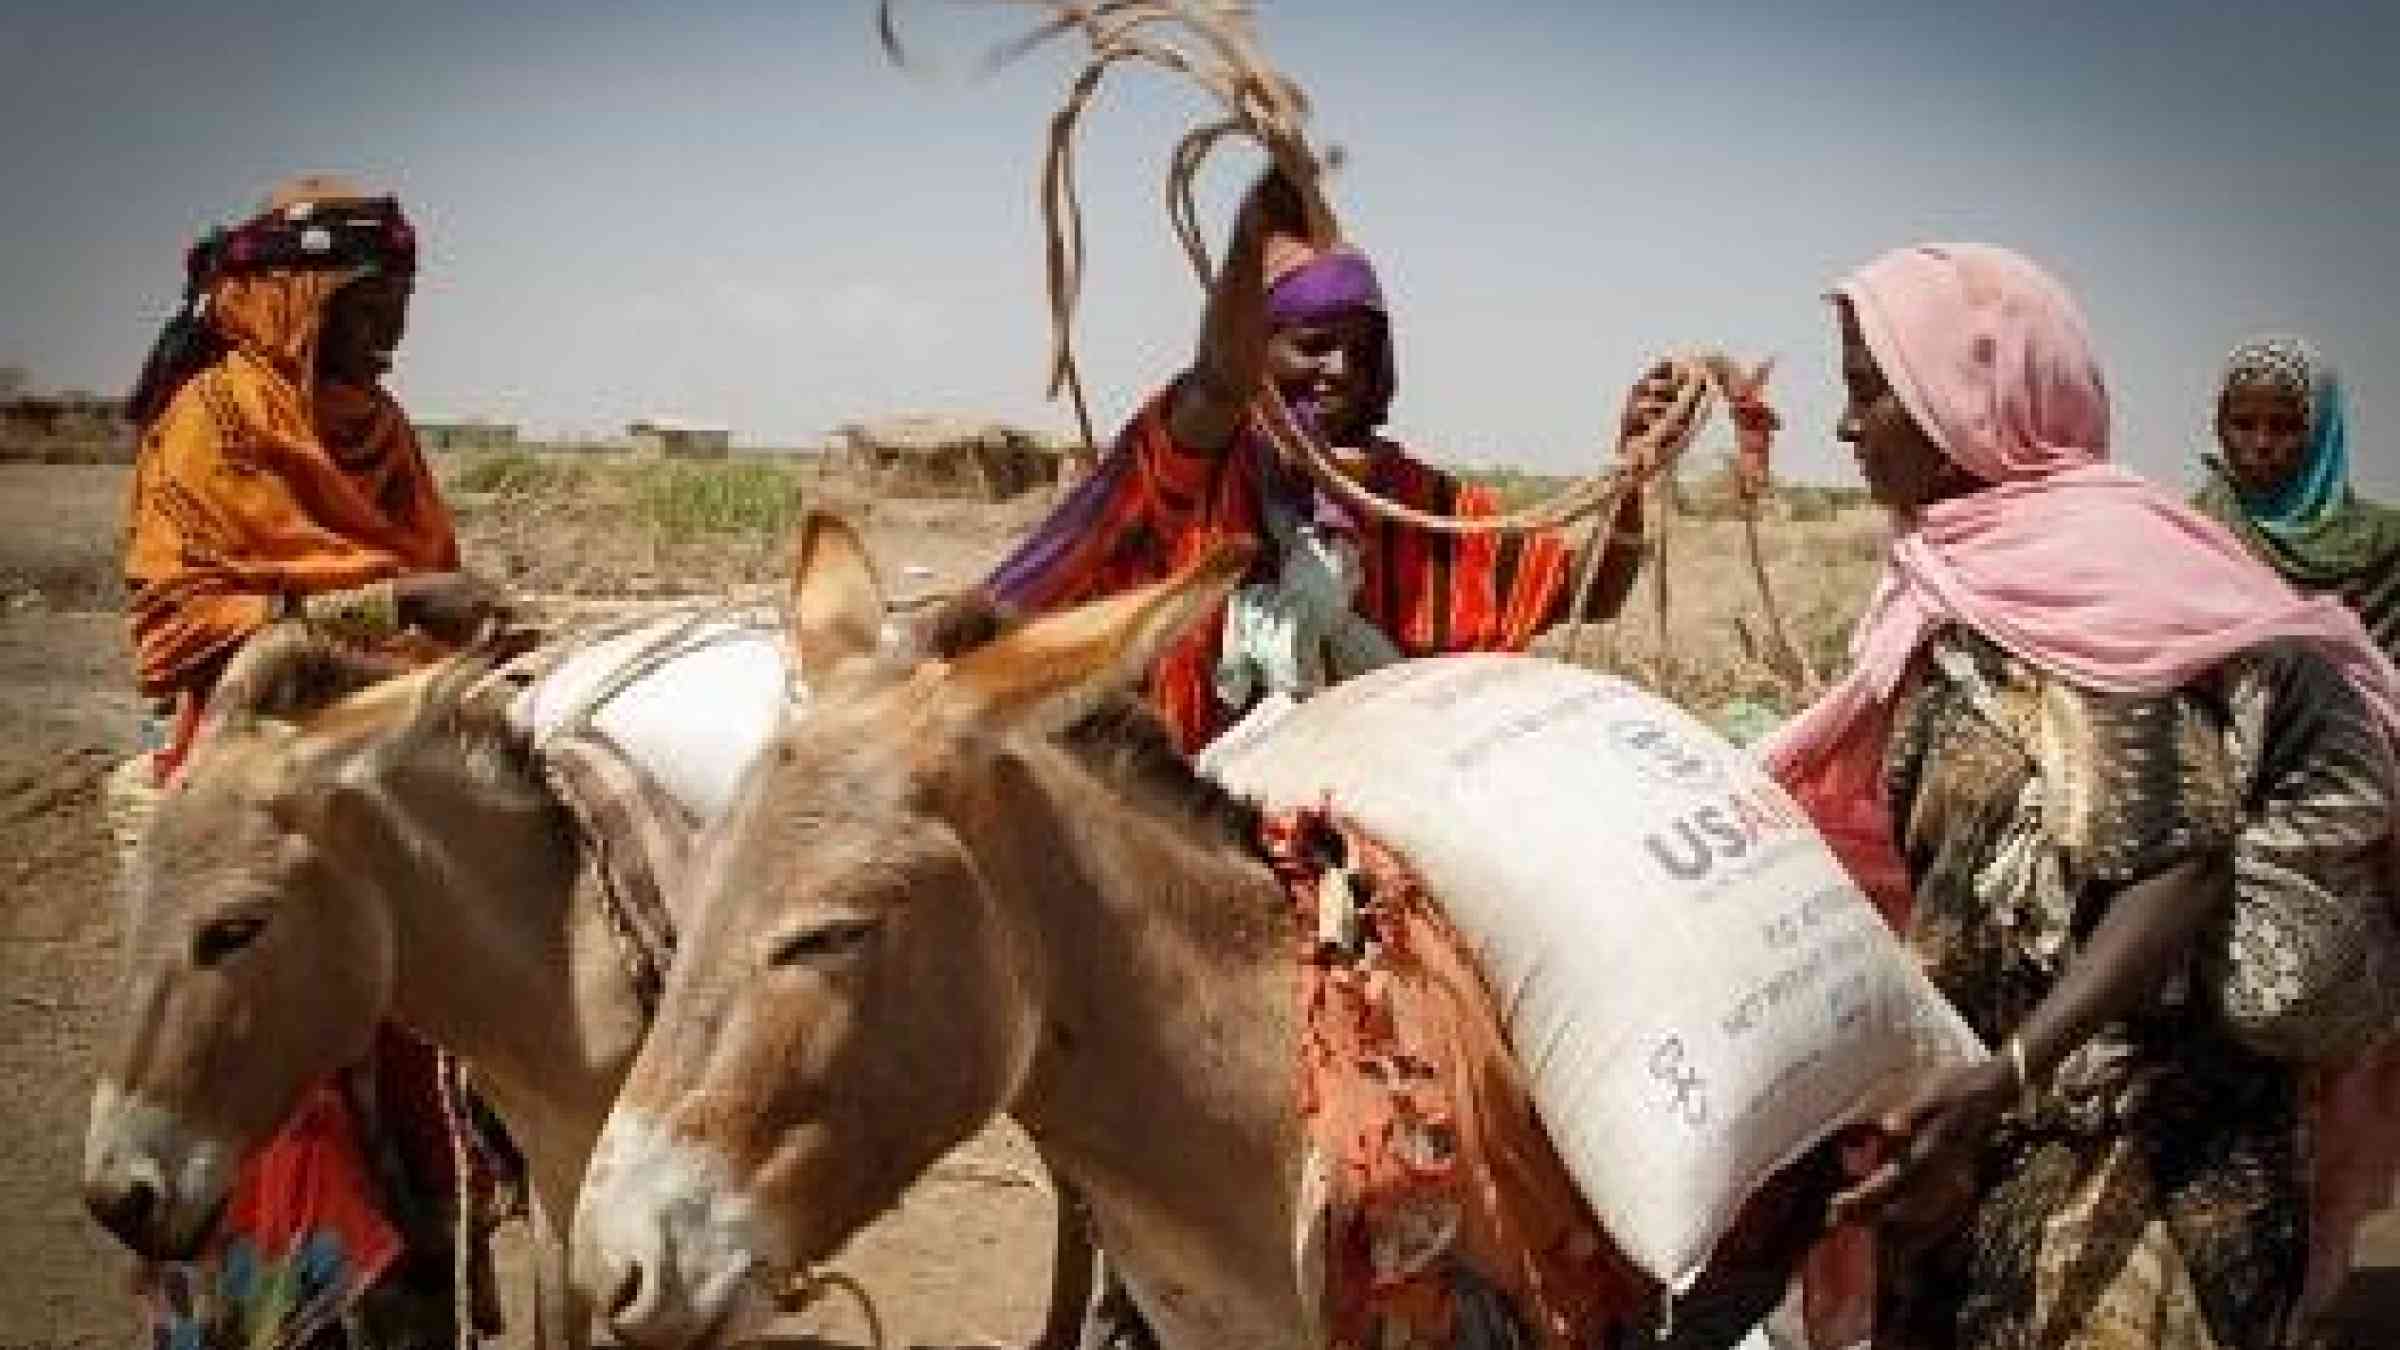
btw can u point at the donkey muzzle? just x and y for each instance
(666, 1245)
(152, 1183)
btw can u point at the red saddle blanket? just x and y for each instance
(1434, 1159)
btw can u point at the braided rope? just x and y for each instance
(1264, 107)
(1213, 44)
(463, 1235)
(812, 1287)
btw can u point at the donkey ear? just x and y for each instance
(837, 605)
(1052, 670)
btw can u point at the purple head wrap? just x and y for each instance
(1307, 285)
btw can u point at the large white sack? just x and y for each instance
(708, 692)
(1696, 990)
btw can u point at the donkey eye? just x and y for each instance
(819, 941)
(221, 938)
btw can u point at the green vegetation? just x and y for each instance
(723, 497)
(1517, 488)
(1814, 503)
(676, 498)
(515, 473)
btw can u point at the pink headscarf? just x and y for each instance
(2066, 561)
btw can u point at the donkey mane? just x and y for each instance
(289, 672)
(962, 623)
(1122, 739)
(469, 717)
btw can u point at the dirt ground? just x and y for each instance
(962, 1261)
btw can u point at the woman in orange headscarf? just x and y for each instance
(275, 474)
(277, 478)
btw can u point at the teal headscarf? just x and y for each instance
(2314, 529)
(2318, 487)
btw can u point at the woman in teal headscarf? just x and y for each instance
(2283, 483)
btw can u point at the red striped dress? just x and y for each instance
(1153, 505)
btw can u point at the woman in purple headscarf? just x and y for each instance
(1331, 595)
(1190, 470)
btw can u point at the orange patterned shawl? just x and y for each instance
(255, 482)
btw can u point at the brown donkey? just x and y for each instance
(353, 844)
(923, 909)
(350, 844)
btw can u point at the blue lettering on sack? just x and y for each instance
(1703, 840)
(1667, 756)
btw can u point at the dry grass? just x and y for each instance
(1822, 547)
(1711, 655)
(603, 527)
(599, 526)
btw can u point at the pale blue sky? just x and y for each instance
(739, 212)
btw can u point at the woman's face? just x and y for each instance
(2263, 429)
(1332, 367)
(1904, 469)
(364, 322)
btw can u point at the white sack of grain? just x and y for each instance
(1696, 990)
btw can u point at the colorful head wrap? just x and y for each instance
(1307, 284)
(2318, 488)
(254, 478)
(2315, 529)
(1990, 356)
(310, 225)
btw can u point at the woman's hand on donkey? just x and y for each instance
(457, 608)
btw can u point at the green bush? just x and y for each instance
(1811, 502)
(512, 473)
(1516, 488)
(718, 498)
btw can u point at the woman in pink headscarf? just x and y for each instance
(2080, 710)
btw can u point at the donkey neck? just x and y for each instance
(1163, 1084)
(491, 964)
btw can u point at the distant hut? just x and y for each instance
(933, 454)
(680, 438)
(68, 427)
(473, 434)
